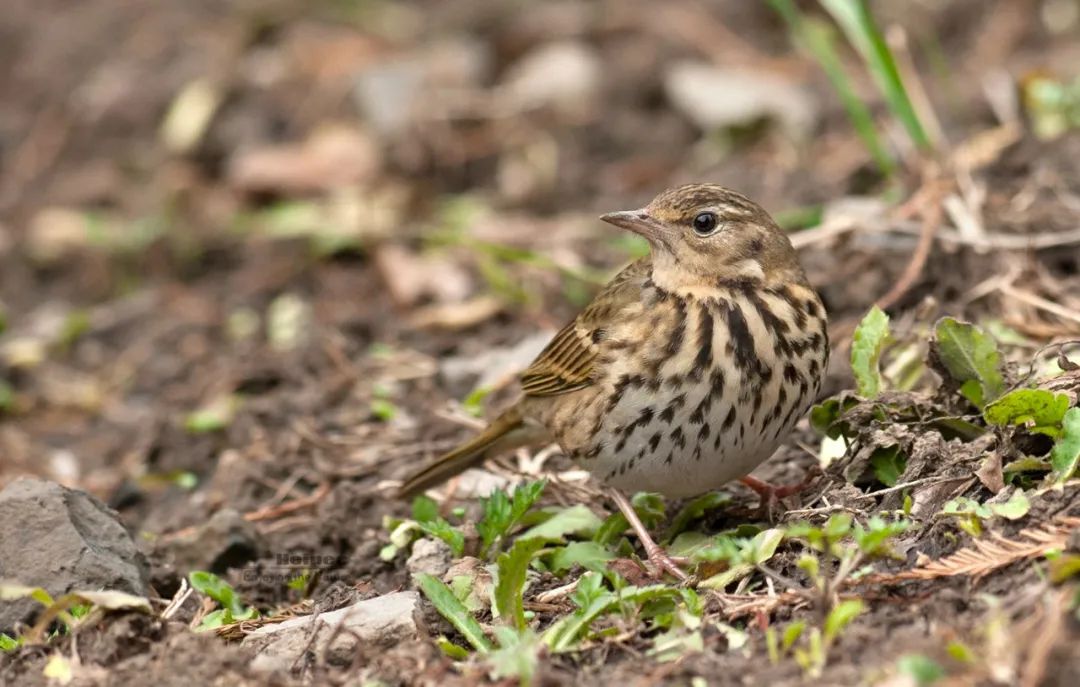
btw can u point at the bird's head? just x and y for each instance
(704, 236)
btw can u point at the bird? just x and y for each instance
(684, 373)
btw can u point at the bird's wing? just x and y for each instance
(566, 363)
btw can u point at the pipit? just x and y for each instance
(685, 372)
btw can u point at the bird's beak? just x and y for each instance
(637, 221)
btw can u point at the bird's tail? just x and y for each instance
(508, 431)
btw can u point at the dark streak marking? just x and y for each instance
(705, 344)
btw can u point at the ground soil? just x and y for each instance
(83, 90)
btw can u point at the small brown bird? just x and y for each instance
(685, 372)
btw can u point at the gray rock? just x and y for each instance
(392, 93)
(431, 556)
(566, 75)
(63, 540)
(381, 621)
(715, 98)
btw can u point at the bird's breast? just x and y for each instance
(693, 393)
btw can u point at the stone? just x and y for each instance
(393, 93)
(565, 75)
(716, 98)
(63, 540)
(381, 621)
(431, 556)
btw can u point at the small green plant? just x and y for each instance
(858, 25)
(8, 643)
(502, 512)
(68, 609)
(232, 608)
(922, 669)
(382, 407)
(971, 358)
(517, 656)
(513, 567)
(451, 608)
(971, 514)
(866, 347)
(214, 416)
(836, 550)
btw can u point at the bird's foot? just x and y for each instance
(658, 560)
(660, 563)
(771, 494)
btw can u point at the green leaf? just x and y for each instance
(792, 633)
(424, 509)
(451, 650)
(453, 610)
(588, 554)
(1065, 455)
(216, 588)
(1042, 411)
(383, 409)
(213, 417)
(888, 464)
(971, 357)
(862, 32)
(513, 567)
(837, 526)
(866, 347)
(577, 520)
(923, 670)
(763, 545)
(473, 404)
(214, 620)
(817, 38)
(502, 512)
(517, 655)
(8, 643)
(1015, 508)
(1064, 567)
(443, 530)
(839, 618)
(593, 601)
(232, 609)
(873, 540)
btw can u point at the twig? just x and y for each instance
(1040, 303)
(930, 225)
(272, 512)
(182, 594)
(912, 483)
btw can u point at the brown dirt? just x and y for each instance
(82, 95)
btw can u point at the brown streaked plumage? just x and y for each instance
(686, 371)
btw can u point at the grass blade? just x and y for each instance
(816, 38)
(453, 610)
(862, 32)
(513, 566)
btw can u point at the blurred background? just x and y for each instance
(205, 199)
(269, 252)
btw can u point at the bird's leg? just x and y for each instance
(659, 561)
(770, 494)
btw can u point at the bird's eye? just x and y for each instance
(705, 223)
